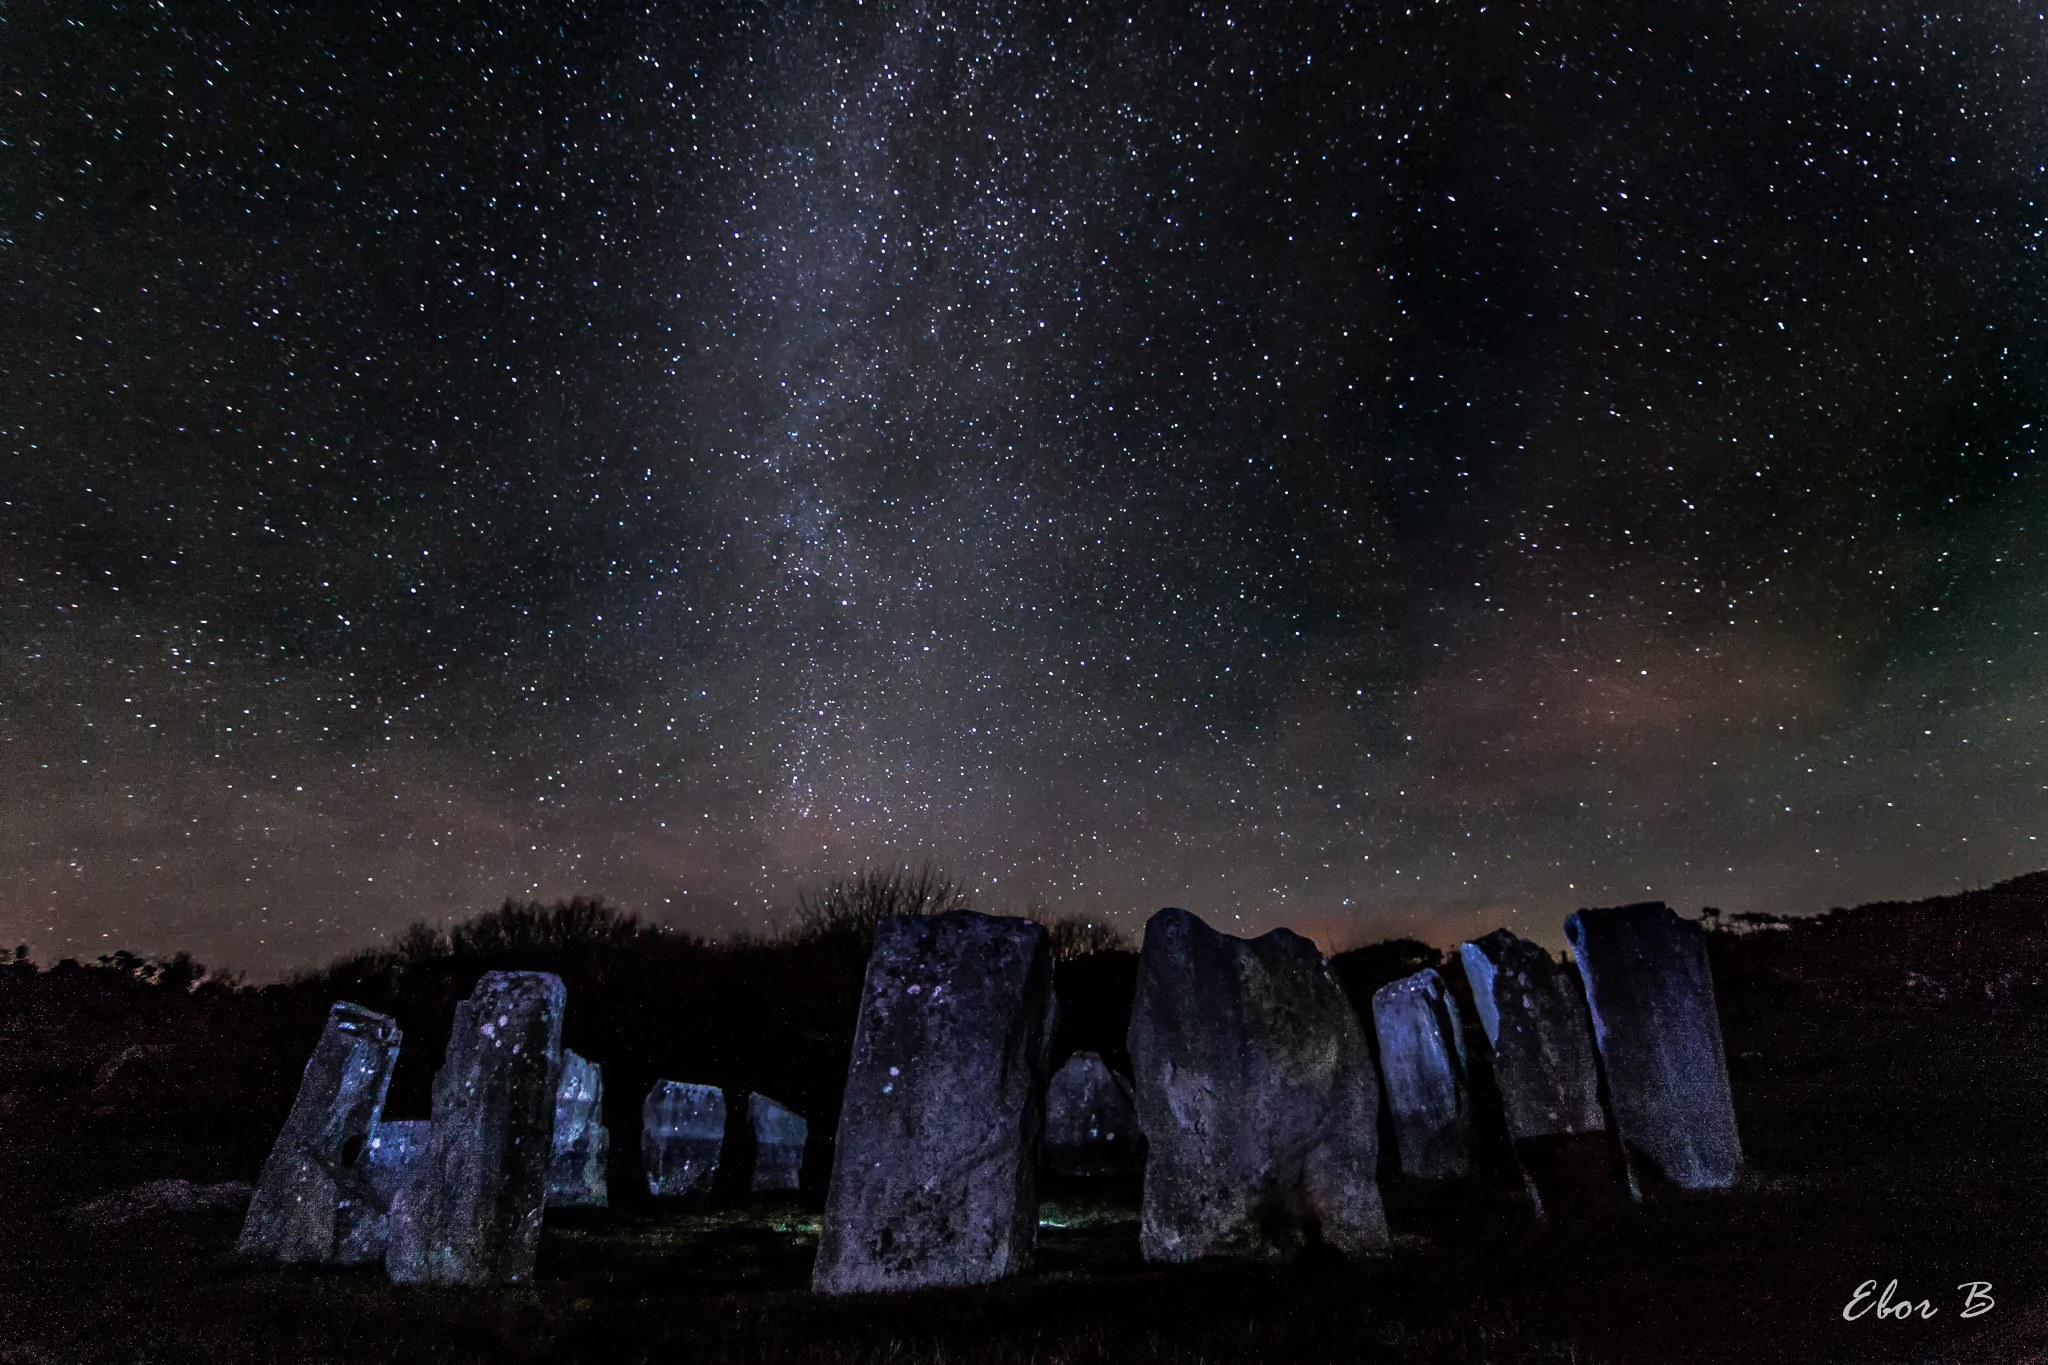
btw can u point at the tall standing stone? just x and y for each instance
(310, 1187)
(1652, 998)
(1422, 1057)
(1534, 1017)
(1091, 1119)
(934, 1176)
(469, 1209)
(576, 1166)
(1256, 1094)
(779, 1137)
(682, 1133)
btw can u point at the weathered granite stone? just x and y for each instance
(682, 1133)
(1534, 1018)
(301, 1206)
(469, 1209)
(935, 1173)
(779, 1137)
(1422, 1057)
(388, 1155)
(576, 1169)
(1091, 1119)
(1256, 1094)
(1652, 998)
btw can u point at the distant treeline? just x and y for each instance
(206, 1065)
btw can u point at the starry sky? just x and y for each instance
(1376, 468)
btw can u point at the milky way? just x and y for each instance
(1375, 469)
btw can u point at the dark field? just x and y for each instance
(1892, 1129)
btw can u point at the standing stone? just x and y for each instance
(1091, 1120)
(682, 1132)
(779, 1137)
(1422, 1056)
(1534, 1018)
(468, 1211)
(302, 1207)
(576, 1168)
(1256, 1094)
(389, 1154)
(1652, 998)
(935, 1174)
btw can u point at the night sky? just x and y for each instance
(1379, 468)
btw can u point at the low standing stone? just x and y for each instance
(1256, 1094)
(1091, 1120)
(387, 1156)
(779, 1137)
(1651, 994)
(576, 1167)
(1534, 1017)
(934, 1176)
(469, 1209)
(1422, 1056)
(682, 1133)
(302, 1205)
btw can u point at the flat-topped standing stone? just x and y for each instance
(387, 1156)
(779, 1137)
(1256, 1094)
(303, 1206)
(682, 1133)
(1091, 1120)
(935, 1173)
(1422, 1057)
(1652, 998)
(1534, 1018)
(576, 1167)
(469, 1209)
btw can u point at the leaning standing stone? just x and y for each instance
(1091, 1120)
(1256, 1094)
(1534, 1017)
(302, 1207)
(1652, 998)
(1422, 1056)
(779, 1137)
(469, 1209)
(934, 1177)
(576, 1168)
(682, 1132)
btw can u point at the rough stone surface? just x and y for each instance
(576, 1168)
(1534, 1017)
(468, 1211)
(1091, 1119)
(779, 1137)
(935, 1172)
(306, 1196)
(1256, 1094)
(1652, 999)
(682, 1133)
(386, 1158)
(1422, 1057)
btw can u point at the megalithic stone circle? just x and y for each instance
(934, 1175)
(1422, 1058)
(1651, 994)
(582, 1145)
(780, 1134)
(310, 1186)
(469, 1209)
(1257, 1096)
